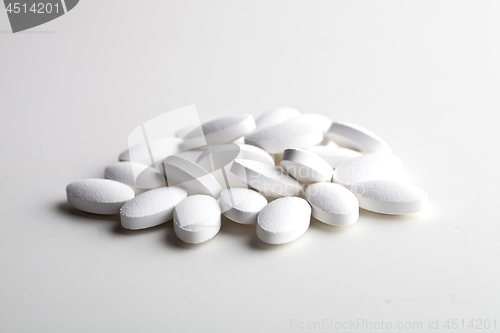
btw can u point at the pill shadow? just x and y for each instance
(385, 218)
(236, 229)
(66, 208)
(171, 239)
(333, 229)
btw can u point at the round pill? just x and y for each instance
(159, 148)
(151, 208)
(334, 155)
(225, 129)
(190, 176)
(99, 196)
(305, 166)
(390, 197)
(241, 204)
(265, 178)
(135, 175)
(367, 167)
(197, 219)
(357, 138)
(313, 119)
(276, 138)
(229, 152)
(283, 220)
(276, 116)
(332, 204)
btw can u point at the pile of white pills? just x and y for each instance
(291, 167)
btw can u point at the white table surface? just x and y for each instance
(423, 75)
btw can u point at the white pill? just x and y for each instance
(159, 148)
(390, 197)
(276, 138)
(276, 116)
(367, 167)
(334, 155)
(266, 178)
(225, 129)
(197, 219)
(190, 176)
(136, 175)
(151, 208)
(241, 204)
(357, 138)
(332, 204)
(313, 119)
(229, 152)
(305, 166)
(283, 220)
(99, 196)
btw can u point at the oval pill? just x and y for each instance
(305, 166)
(98, 196)
(332, 204)
(197, 219)
(357, 138)
(265, 178)
(334, 155)
(225, 129)
(135, 175)
(276, 116)
(190, 176)
(241, 204)
(283, 220)
(390, 197)
(151, 208)
(276, 138)
(367, 167)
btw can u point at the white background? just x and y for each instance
(422, 74)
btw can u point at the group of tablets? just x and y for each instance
(276, 172)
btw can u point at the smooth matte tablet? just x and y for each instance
(305, 166)
(390, 197)
(135, 175)
(99, 196)
(197, 219)
(276, 116)
(334, 155)
(358, 138)
(241, 204)
(159, 148)
(151, 208)
(266, 178)
(332, 204)
(283, 220)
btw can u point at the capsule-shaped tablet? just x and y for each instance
(357, 138)
(190, 176)
(220, 130)
(266, 178)
(305, 166)
(283, 220)
(197, 219)
(367, 167)
(136, 175)
(241, 204)
(151, 208)
(99, 196)
(334, 155)
(276, 138)
(332, 204)
(390, 197)
(276, 116)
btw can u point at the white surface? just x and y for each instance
(423, 75)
